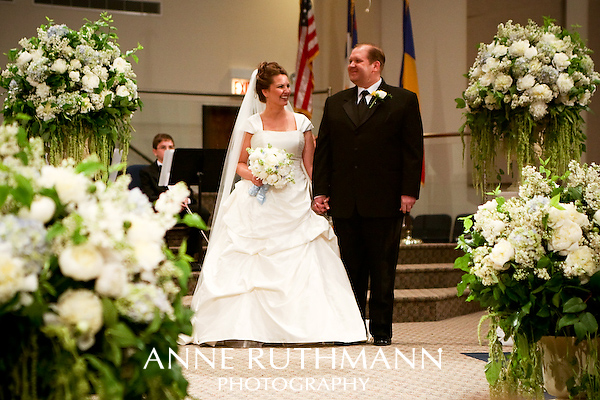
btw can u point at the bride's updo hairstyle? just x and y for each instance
(264, 78)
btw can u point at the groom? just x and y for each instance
(367, 174)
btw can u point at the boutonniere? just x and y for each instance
(379, 95)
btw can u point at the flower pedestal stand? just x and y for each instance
(561, 360)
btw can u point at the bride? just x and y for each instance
(272, 272)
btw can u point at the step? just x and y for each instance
(421, 305)
(434, 275)
(435, 304)
(428, 253)
(411, 276)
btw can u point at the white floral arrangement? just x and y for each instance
(526, 90)
(89, 260)
(538, 224)
(62, 75)
(271, 165)
(532, 67)
(533, 262)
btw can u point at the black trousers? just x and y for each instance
(369, 249)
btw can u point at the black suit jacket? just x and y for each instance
(149, 182)
(369, 165)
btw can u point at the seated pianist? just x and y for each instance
(149, 177)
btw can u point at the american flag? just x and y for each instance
(351, 40)
(308, 49)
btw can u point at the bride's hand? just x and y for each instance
(256, 181)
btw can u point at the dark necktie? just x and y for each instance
(362, 105)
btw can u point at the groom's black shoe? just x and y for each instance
(382, 341)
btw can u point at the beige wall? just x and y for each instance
(196, 44)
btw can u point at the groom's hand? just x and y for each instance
(320, 204)
(407, 203)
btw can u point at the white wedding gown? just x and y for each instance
(273, 274)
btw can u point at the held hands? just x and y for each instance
(407, 203)
(320, 204)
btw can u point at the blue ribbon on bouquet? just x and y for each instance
(259, 192)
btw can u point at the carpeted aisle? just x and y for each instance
(425, 362)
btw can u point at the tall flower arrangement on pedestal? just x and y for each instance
(88, 290)
(534, 262)
(77, 87)
(526, 91)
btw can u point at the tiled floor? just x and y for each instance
(427, 361)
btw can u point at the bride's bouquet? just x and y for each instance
(271, 165)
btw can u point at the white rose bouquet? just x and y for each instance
(272, 166)
(534, 262)
(527, 87)
(87, 286)
(78, 88)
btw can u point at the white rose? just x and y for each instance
(525, 82)
(518, 48)
(272, 180)
(581, 263)
(561, 61)
(37, 54)
(11, 276)
(503, 82)
(90, 82)
(530, 53)
(59, 66)
(120, 65)
(24, 58)
(70, 186)
(42, 209)
(81, 262)
(81, 310)
(74, 76)
(501, 253)
(490, 65)
(498, 50)
(148, 254)
(564, 83)
(541, 92)
(144, 229)
(538, 109)
(112, 280)
(585, 98)
(486, 79)
(75, 64)
(565, 237)
(569, 212)
(30, 283)
(122, 91)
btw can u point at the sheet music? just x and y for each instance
(165, 172)
(116, 159)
